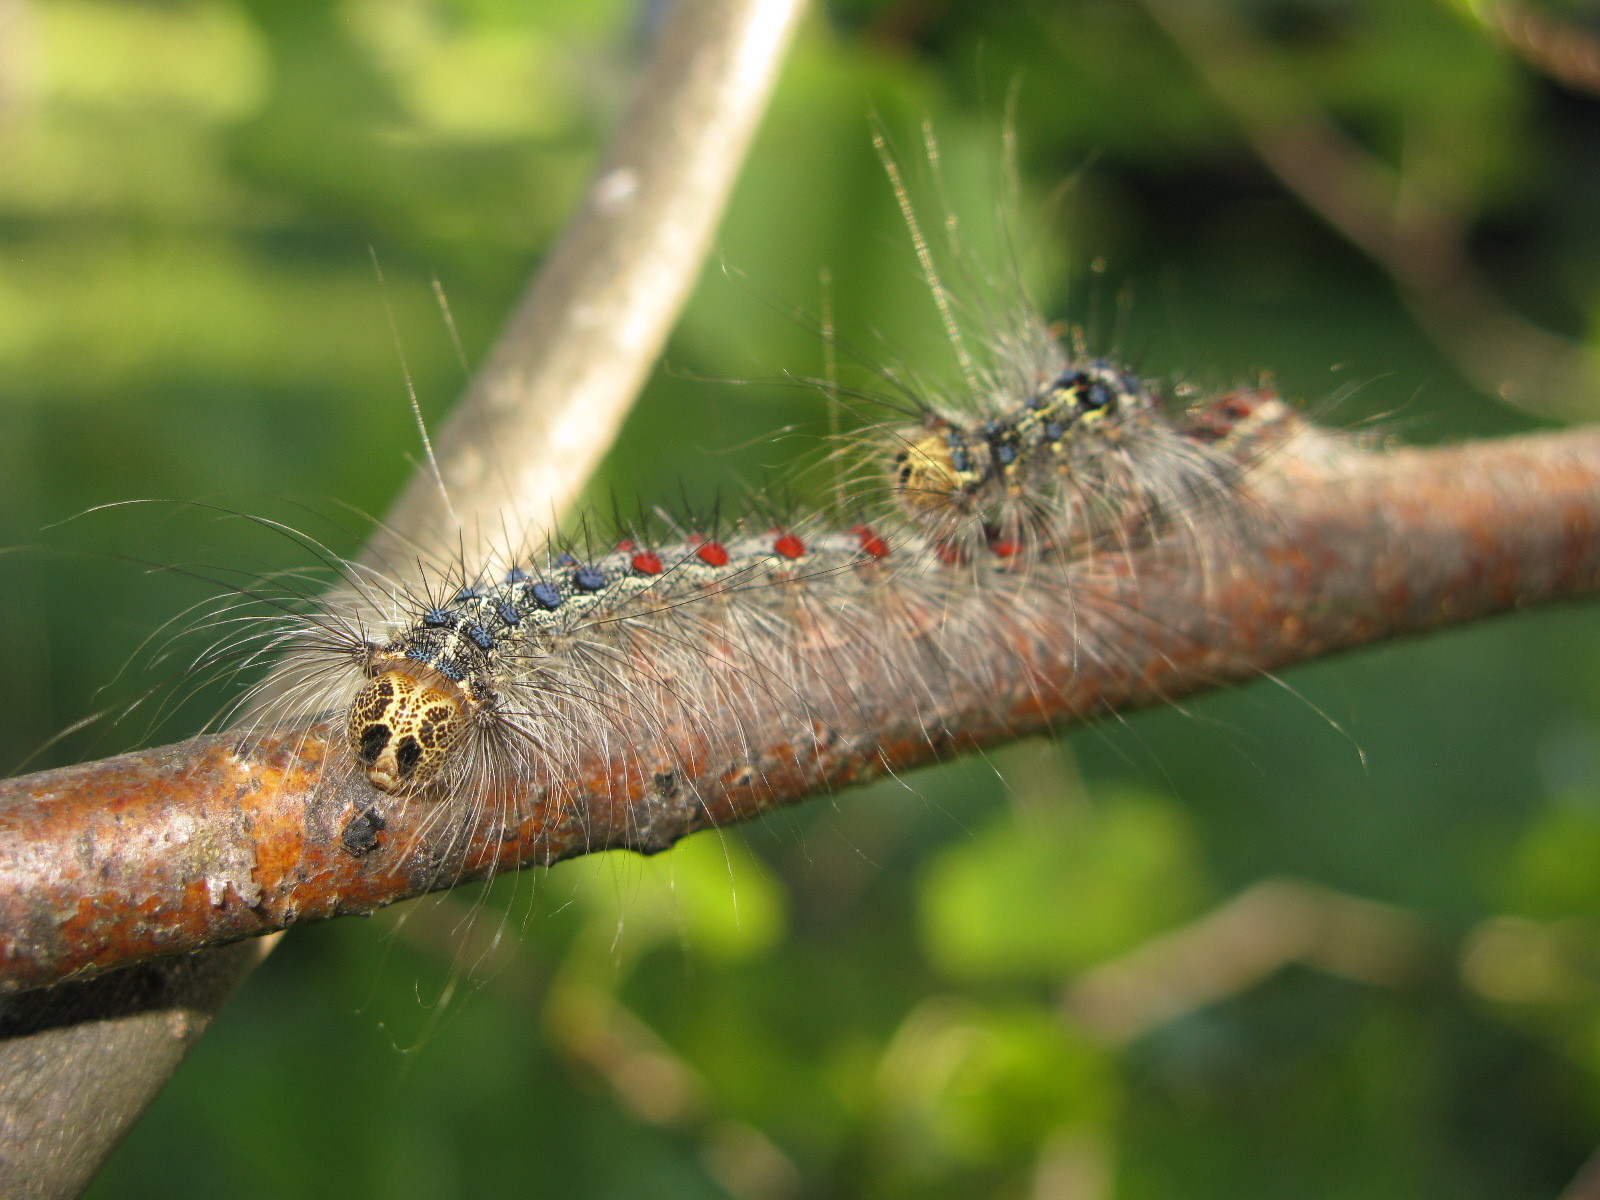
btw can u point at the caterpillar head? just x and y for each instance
(933, 470)
(404, 725)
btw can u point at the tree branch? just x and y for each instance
(226, 837)
(1561, 49)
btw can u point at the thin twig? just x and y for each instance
(1585, 1184)
(549, 401)
(79, 1065)
(1236, 946)
(1565, 52)
(1412, 231)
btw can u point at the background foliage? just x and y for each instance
(892, 993)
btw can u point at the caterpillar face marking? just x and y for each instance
(404, 726)
(926, 476)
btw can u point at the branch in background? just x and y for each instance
(1412, 232)
(607, 1043)
(549, 401)
(600, 1036)
(79, 1065)
(1543, 967)
(1557, 48)
(1244, 942)
(1586, 1184)
(1350, 550)
(18, 45)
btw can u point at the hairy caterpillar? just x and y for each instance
(501, 677)
(1087, 458)
(662, 645)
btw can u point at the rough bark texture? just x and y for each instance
(223, 837)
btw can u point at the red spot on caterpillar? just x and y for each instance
(1004, 547)
(870, 541)
(625, 545)
(789, 546)
(1220, 417)
(647, 563)
(949, 554)
(694, 539)
(713, 554)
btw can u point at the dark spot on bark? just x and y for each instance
(360, 836)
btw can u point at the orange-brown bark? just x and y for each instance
(224, 837)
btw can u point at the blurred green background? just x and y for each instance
(1336, 935)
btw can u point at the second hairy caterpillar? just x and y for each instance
(1088, 458)
(1038, 450)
